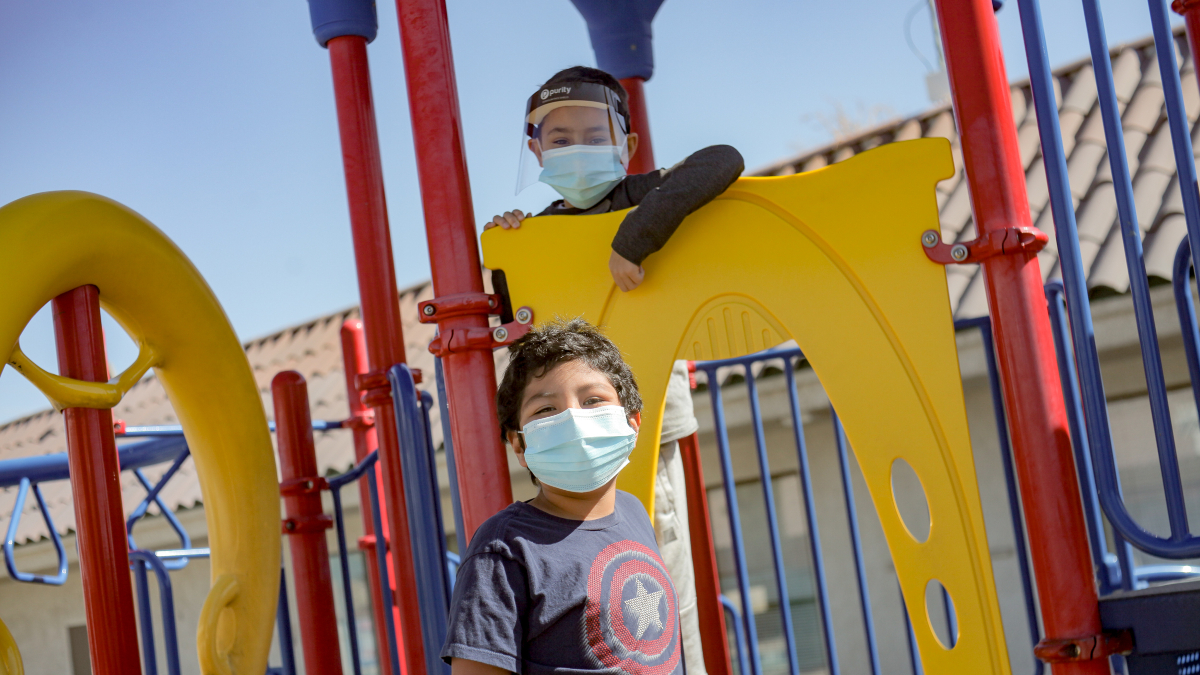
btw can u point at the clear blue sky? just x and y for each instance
(216, 119)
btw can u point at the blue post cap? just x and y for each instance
(335, 18)
(621, 37)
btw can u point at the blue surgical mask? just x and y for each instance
(579, 449)
(582, 174)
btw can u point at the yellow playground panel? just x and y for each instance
(832, 259)
(53, 242)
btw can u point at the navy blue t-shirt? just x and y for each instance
(540, 595)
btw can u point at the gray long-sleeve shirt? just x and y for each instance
(663, 199)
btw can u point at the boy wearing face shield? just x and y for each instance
(576, 138)
(571, 581)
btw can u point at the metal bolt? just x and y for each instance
(524, 315)
(500, 334)
(959, 252)
(1073, 650)
(491, 302)
(429, 310)
(929, 239)
(289, 524)
(308, 485)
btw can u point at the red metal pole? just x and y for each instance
(483, 481)
(1190, 10)
(704, 562)
(380, 307)
(354, 362)
(96, 487)
(305, 524)
(1024, 346)
(643, 160)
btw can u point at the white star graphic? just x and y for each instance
(645, 606)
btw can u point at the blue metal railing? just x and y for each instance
(423, 501)
(1095, 423)
(168, 444)
(745, 626)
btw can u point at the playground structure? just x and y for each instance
(905, 333)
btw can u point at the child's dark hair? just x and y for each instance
(593, 76)
(543, 348)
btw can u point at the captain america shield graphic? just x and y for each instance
(632, 620)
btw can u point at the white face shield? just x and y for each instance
(587, 118)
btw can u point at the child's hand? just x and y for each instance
(511, 220)
(627, 275)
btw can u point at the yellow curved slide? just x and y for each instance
(10, 656)
(833, 259)
(55, 241)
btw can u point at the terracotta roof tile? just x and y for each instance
(1127, 72)
(1028, 140)
(1162, 244)
(1020, 105)
(1150, 161)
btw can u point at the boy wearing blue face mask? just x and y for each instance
(576, 138)
(571, 581)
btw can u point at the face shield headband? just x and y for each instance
(571, 118)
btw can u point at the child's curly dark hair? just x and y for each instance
(558, 342)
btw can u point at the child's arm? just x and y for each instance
(665, 197)
(484, 632)
(465, 667)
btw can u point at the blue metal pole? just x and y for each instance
(1082, 330)
(347, 590)
(141, 586)
(735, 523)
(451, 460)
(147, 559)
(9, 539)
(428, 537)
(385, 583)
(984, 325)
(764, 466)
(810, 513)
(864, 593)
(1139, 285)
(739, 632)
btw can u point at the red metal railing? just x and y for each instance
(1024, 344)
(470, 373)
(96, 487)
(380, 306)
(305, 525)
(704, 562)
(361, 421)
(643, 160)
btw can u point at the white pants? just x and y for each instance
(675, 546)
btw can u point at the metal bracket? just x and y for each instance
(1085, 648)
(367, 543)
(459, 304)
(375, 388)
(1182, 7)
(1006, 241)
(363, 419)
(298, 487)
(466, 339)
(306, 524)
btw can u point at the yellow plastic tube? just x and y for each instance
(55, 241)
(833, 259)
(10, 656)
